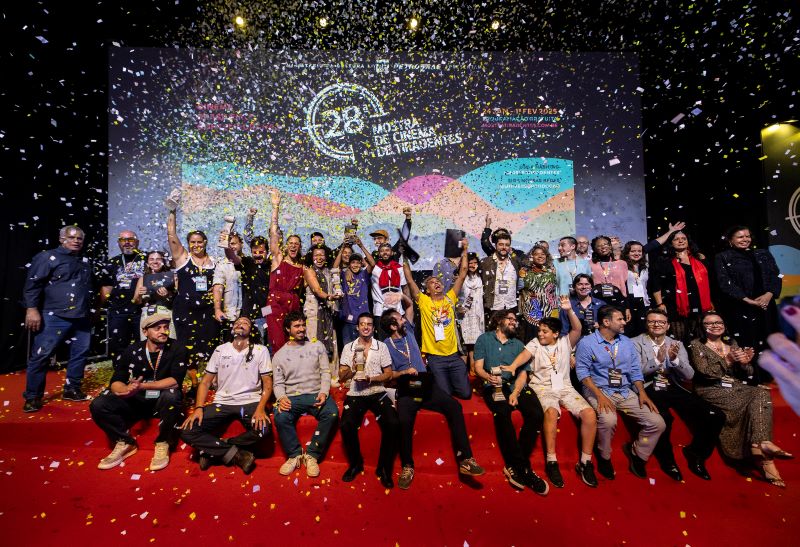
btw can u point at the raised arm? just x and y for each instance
(248, 231)
(176, 248)
(660, 240)
(575, 326)
(367, 255)
(462, 267)
(408, 305)
(274, 239)
(231, 255)
(313, 283)
(410, 283)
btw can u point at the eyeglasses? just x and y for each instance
(714, 324)
(127, 240)
(657, 322)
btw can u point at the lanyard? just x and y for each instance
(612, 355)
(406, 353)
(553, 357)
(607, 271)
(150, 362)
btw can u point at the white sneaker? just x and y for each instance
(312, 467)
(160, 457)
(290, 465)
(122, 450)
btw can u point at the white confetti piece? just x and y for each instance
(135, 477)
(439, 461)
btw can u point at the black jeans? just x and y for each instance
(115, 415)
(216, 419)
(386, 416)
(440, 402)
(703, 419)
(123, 330)
(516, 451)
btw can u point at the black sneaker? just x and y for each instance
(245, 460)
(605, 468)
(74, 395)
(586, 473)
(469, 466)
(32, 405)
(554, 474)
(535, 482)
(514, 477)
(636, 465)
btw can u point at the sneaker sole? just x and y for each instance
(546, 489)
(122, 459)
(158, 467)
(513, 482)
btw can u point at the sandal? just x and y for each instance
(776, 452)
(771, 474)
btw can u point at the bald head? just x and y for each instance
(128, 242)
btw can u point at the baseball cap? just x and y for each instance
(377, 233)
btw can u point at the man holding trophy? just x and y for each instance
(367, 363)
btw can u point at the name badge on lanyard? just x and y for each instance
(614, 374)
(638, 288)
(502, 286)
(200, 283)
(438, 332)
(660, 382)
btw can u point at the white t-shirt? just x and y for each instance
(505, 276)
(378, 306)
(378, 359)
(542, 367)
(238, 381)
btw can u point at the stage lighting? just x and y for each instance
(495, 24)
(413, 23)
(239, 20)
(323, 22)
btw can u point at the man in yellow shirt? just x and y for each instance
(438, 323)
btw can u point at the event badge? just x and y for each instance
(614, 377)
(607, 290)
(201, 283)
(438, 332)
(638, 290)
(556, 381)
(726, 381)
(502, 286)
(266, 310)
(151, 394)
(660, 382)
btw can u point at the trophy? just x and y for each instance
(173, 199)
(359, 361)
(498, 394)
(225, 233)
(336, 282)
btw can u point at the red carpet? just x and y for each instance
(52, 492)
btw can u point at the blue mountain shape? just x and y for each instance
(359, 193)
(520, 184)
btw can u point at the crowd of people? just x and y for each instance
(648, 331)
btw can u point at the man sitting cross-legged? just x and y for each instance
(302, 382)
(243, 371)
(146, 381)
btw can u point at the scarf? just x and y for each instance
(682, 294)
(390, 275)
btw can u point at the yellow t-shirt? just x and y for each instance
(438, 313)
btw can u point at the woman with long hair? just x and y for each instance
(723, 372)
(638, 299)
(285, 280)
(470, 307)
(680, 286)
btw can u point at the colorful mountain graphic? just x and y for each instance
(532, 197)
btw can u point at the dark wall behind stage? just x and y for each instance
(713, 76)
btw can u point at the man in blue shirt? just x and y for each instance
(609, 367)
(57, 295)
(417, 389)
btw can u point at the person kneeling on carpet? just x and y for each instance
(302, 383)
(243, 372)
(146, 381)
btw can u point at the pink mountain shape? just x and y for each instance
(420, 189)
(467, 211)
(323, 206)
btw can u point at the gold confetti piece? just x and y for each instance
(192, 515)
(316, 518)
(683, 514)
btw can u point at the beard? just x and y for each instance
(509, 331)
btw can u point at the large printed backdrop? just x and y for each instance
(544, 144)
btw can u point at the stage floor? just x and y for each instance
(52, 492)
